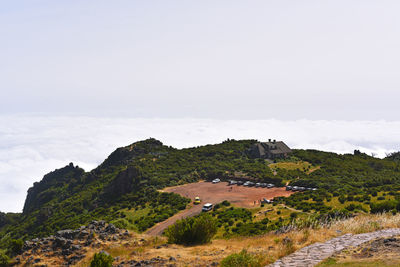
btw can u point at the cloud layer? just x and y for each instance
(31, 146)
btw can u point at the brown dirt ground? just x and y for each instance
(239, 196)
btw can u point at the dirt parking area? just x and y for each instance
(239, 196)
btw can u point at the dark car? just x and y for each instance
(240, 183)
(288, 188)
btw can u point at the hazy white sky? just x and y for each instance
(209, 59)
(101, 74)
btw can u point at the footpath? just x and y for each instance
(312, 255)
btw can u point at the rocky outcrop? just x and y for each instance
(124, 155)
(46, 190)
(67, 247)
(125, 182)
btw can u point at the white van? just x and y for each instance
(207, 207)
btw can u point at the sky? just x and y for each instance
(80, 78)
(203, 59)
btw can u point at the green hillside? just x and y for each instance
(123, 189)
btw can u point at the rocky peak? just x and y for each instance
(45, 190)
(124, 155)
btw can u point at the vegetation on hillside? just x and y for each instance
(124, 188)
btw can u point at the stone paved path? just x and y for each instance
(317, 252)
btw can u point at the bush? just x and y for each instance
(385, 206)
(16, 246)
(4, 259)
(102, 259)
(342, 199)
(242, 259)
(226, 203)
(190, 231)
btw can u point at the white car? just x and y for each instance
(215, 181)
(207, 207)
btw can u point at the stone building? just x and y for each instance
(270, 150)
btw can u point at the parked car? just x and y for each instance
(232, 182)
(197, 200)
(246, 183)
(207, 207)
(295, 188)
(288, 188)
(263, 185)
(258, 184)
(215, 181)
(251, 184)
(270, 185)
(240, 183)
(267, 201)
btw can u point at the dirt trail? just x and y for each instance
(239, 196)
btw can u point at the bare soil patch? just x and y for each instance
(240, 196)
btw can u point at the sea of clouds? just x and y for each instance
(31, 146)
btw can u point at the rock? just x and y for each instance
(76, 247)
(61, 242)
(74, 259)
(83, 234)
(30, 259)
(387, 240)
(172, 259)
(68, 234)
(111, 229)
(66, 252)
(286, 240)
(104, 252)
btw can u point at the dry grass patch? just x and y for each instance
(272, 246)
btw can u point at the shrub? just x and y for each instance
(190, 231)
(16, 246)
(226, 203)
(102, 259)
(383, 206)
(4, 259)
(242, 259)
(353, 207)
(342, 199)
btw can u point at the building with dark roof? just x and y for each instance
(270, 150)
